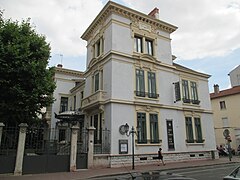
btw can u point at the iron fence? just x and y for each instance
(102, 141)
(9, 140)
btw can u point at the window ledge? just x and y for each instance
(148, 143)
(195, 143)
(190, 104)
(147, 98)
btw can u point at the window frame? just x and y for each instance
(152, 89)
(154, 129)
(222, 105)
(189, 129)
(142, 128)
(198, 130)
(63, 104)
(149, 46)
(138, 44)
(140, 83)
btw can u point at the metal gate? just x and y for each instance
(8, 149)
(82, 149)
(44, 153)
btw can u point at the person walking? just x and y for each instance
(160, 156)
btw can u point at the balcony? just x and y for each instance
(94, 99)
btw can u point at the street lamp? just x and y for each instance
(128, 133)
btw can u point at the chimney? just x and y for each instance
(216, 88)
(154, 13)
(59, 65)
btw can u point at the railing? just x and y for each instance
(146, 94)
(102, 145)
(98, 96)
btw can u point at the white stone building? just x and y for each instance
(131, 78)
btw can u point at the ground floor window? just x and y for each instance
(96, 122)
(147, 127)
(193, 130)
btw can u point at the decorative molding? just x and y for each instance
(114, 8)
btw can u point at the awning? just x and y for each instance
(69, 116)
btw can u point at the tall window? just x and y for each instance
(222, 105)
(140, 84)
(141, 124)
(194, 92)
(185, 89)
(154, 128)
(74, 103)
(149, 47)
(152, 85)
(189, 129)
(138, 44)
(96, 82)
(97, 122)
(98, 47)
(198, 130)
(64, 104)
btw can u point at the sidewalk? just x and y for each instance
(90, 173)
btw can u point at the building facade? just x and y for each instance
(68, 93)
(235, 76)
(132, 81)
(226, 115)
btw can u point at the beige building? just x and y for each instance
(226, 114)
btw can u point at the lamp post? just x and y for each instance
(128, 133)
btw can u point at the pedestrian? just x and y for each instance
(160, 156)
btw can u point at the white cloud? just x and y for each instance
(62, 21)
(206, 28)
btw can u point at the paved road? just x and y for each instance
(215, 172)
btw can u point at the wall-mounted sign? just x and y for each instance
(123, 146)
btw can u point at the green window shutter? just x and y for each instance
(154, 133)
(194, 93)
(140, 83)
(96, 82)
(152, 85)
(177, 91)
(185, 91)
(189, 130)
(198, 130)
(142, 129)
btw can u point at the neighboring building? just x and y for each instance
(226, 114)
(235, 76)
(66, 98)
(131, 78)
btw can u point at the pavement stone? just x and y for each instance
(100, 172)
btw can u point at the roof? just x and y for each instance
(226, 92)
(234, 69)
(191, 71)
(68, 71)
(112, 7)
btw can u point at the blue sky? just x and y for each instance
(207, 38)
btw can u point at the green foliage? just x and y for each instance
(26, 85)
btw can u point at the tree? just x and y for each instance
(26, 84)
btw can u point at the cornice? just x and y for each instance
(68, 72)
(190, 71)
(112, 7)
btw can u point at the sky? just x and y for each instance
(207, 39)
